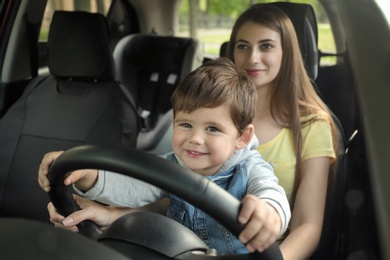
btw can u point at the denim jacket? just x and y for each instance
(246, 172)
(208, 229)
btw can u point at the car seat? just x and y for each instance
(79, 103)
(151, 66)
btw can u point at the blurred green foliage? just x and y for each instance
(234, 8)
(216, 18)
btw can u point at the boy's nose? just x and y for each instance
(196, 138)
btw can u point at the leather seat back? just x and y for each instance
(79, 103)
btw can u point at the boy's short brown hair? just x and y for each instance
(213, 84)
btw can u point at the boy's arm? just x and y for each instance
(122, 191)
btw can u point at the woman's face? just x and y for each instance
(258, 50)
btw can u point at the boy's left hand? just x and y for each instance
(263, 223)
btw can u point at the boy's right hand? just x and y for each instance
(83, 179)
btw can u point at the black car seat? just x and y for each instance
(79, 103)
(151, 66)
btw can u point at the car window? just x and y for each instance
(385, 7)
(215, 19)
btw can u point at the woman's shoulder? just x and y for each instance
(315, 123)
(315, 118)
(317, 138)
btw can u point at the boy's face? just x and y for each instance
(205, 138)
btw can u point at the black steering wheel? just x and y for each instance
(197, 190)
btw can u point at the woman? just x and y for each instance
(296, 132)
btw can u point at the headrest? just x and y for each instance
(223, 49)
(165, 54)
(303, 18)
(78, 46)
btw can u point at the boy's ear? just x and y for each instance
(245, 137)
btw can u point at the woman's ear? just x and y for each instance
(245, 137)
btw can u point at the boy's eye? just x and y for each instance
(185, 125)
(212, 129)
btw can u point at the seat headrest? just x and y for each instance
(78, 46)
(223, 49)
(157, 53)
(303, 18)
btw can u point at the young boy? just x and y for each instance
(213, 136)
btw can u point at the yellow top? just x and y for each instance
(280, 152)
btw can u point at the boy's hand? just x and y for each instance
(263, 223)
(84, 179)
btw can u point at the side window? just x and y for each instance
(211, 23)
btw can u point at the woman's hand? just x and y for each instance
(44, 167)
(102, 215)
(263, 223)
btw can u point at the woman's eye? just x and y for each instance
(266, 46)
(212, 129)
(241, 46)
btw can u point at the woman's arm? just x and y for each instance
(308, 211)
(102, 215)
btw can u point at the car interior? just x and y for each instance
(115, 73)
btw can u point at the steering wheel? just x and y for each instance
(194, 188)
